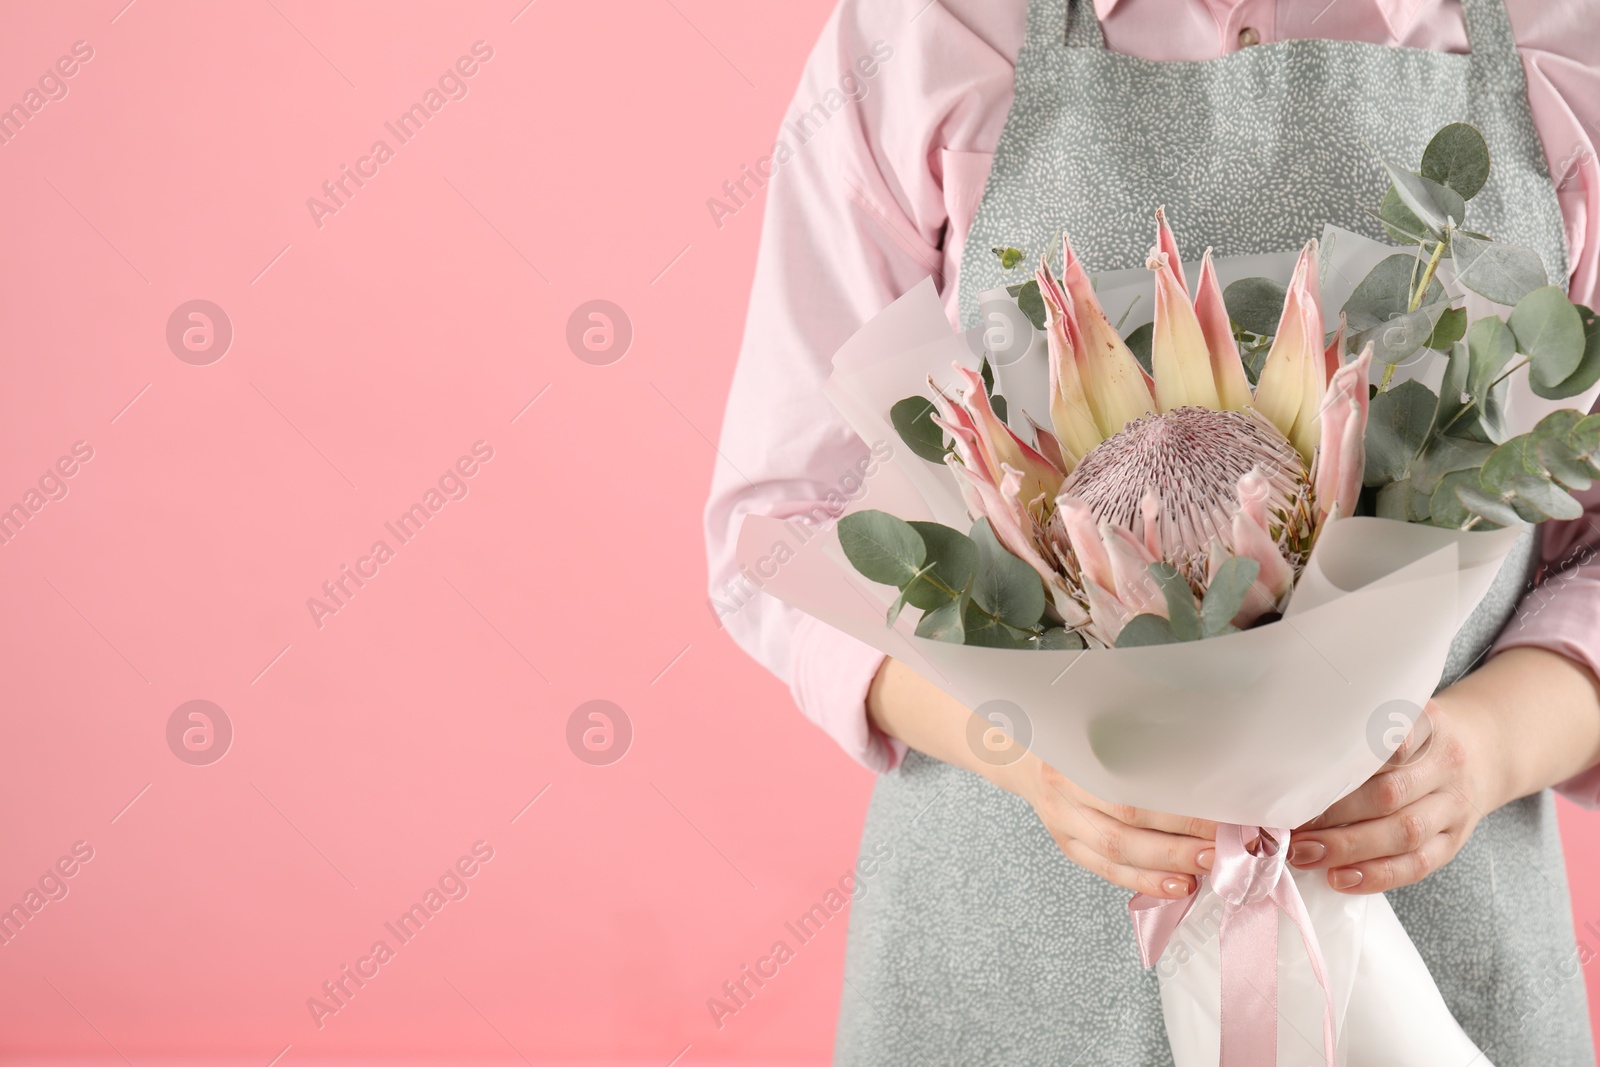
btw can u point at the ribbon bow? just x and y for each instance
(1249, 876)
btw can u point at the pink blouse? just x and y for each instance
(872, 186)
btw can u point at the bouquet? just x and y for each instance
(1209, 565)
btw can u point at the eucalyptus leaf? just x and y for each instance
(986, 631)
(1226, 592)
(1445, 507)
(899, 604)
(1444, 455)
(1438, 206)
(1255, 304)
(913, 421)
(1139, 342)
(1501, 272)
(952, 560)
(1386, 292)
(1457, 157)
(1451, 327)
(1005, 586)
(1478, 502)
(1584, 440)
(1550, 333)
(1182, 612)
(947, 623)
(1505, 465)
(1537, 498)
(1513, 475)
(1400, 222)
(1401, 501)
(1588, 371)
(1379, 310)
(1402, 336)
(1143, 630)
(1031, 301)
(882, 547)
(1398, 422)
(1467, 378)
(1558, 425)
(1564, 465)
(1059, 638)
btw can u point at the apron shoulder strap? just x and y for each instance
(1489, 36)
(1082, 24)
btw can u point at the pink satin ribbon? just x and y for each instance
(1249, 875)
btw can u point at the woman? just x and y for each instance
(926, 133)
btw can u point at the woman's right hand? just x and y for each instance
(1141, 851)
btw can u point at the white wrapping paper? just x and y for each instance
(1264, 727)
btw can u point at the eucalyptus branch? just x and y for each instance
(944, 587)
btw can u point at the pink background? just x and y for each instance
(368, 355)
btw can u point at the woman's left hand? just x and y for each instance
(1410, 818)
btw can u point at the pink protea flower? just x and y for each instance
(1188, 466)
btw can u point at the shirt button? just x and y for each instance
(1249, 36)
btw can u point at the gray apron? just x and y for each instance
(978, 942)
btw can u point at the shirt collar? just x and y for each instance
(1398, 15)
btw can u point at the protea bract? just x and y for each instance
(1187, 465)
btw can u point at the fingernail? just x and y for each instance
(1305, 853)
(1204, 857)
(1344, 878)
(1176, 887)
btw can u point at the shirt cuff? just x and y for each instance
(1567, 623)
(829, 675)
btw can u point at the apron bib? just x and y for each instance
(979, 943)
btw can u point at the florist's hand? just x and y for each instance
(1410, 818)
(1142, 851)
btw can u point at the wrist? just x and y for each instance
(1490, 753)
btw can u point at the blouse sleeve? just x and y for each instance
(855, 217)
(1561, 57)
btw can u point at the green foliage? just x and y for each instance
(1380, 310)
(952, 562)
(1009, 257)
(1588, 370)
(1438, 207)
(1451, 327)
(1006, 587)
(1255, 304)
(1531, 477)
(1398, 222)
(970, 589)
(1503, 273)
(885, 549)
(1549, 331)
(1225, 594)
(1458, 158)
(1030, 300)
(1398, 422)
(1187, 620)
(913, 421)
(1140, 342)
